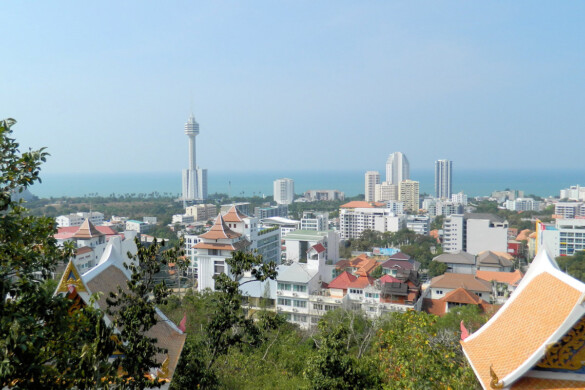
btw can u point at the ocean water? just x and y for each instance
(473, 183)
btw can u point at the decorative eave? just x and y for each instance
(71, 277)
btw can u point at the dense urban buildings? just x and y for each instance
(194, 178)
(443, 179)
(284, 191)
(408, 193)
(397, 168)
(317, 195)
(357, 216)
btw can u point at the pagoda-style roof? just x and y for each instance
(537, 338)
(220, 231)
(234, 215)
(87, 230)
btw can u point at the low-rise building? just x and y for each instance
(314, 221)
(76, 219)
(202, 212)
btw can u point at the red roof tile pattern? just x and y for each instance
(468, 282)
(363, 264)
(318, 247)
(398, 264)
(342, 281)
(389, 279)
(361, 282)
(511, 278)
(399, 256)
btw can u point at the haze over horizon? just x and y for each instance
(295, 85)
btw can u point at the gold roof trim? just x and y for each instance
(71, 277)
(495, 382)
(568, 353)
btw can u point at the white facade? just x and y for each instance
(409, 194)
(138, 226)
(194, 178)
(372, 178)
(563, 238)
(453, 233)
(385, 192)
(569, 210)
(524, 204)
(284, 191)
(314, 221)
(575, 193)
(419, 224)
(202, 212)
(486, 234)
(396, 207)
(76, 219)
(397, 168)
(443, 179)
(459, 198)
(182, 219)
(353, 221)
(298, 243)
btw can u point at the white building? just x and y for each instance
(317, 195)
(297, 244)
(357, 216)
(286, 225)
(459, 198)
(190, 240)
(396, 207)
(314, 221)
(182, 219)
(419, 224)
(372, 178)
(575, 193)
(194, 178)
(397, 168)
(284, 191)
(385, 192)
(475, 233)
(524, 204)
(443, 179)
(409, 194)
(138, 226)
(570, 210)
(76, 219)
(563, 238)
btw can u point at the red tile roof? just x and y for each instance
(389, 279)
(107, 230)
(511, 278)
(363, 264)
(361, 282)
(399, 256)
(398, 264)
(319, 248)
(342, 281)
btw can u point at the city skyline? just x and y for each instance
(441, 79)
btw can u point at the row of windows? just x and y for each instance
(320, 306)
(355, 291)
(292, 287)
(292, 302)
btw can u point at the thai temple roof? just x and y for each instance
(536, 340)
(87, 230)
(220, 231)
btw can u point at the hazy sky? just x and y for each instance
(108, 86)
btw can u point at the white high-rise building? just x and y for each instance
(194, 178)
(284, 191)
(443, 179)
(372, 178)
(397, 168)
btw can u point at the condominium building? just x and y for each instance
(317, 195)
(314, 221)
(385, 192)
(372, 178)
(397, 168)
(569, 210)
(419, 224)
(524, 204)
(443, 179)
(202, 212)
(356, 216)
(575, 193)
(280, 210)
(284, 191)
(564, 237)
(409, 194)
(474, 233)
(459, 198)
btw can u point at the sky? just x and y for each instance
(295, 85)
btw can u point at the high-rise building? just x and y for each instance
(408, 192)
(385, 192)
(443, 179)
(284, 191)
(372, 178)
(397, 168)
(194, 178)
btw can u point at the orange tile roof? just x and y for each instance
(527, 383)
(361, 282)
(234, 215)
(342, 281)
(511, 278)
(389, 279)
(467, 281)
(360, 204)
(521, 327)
(461, 295)
(363, 263)
(225, 247)
(523, 235)
(219, 231)
(434, 306)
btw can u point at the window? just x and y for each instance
(329, 307)
(355, 291)
(317, 306)
(284, 301)
(440, 292)
(299, 287)
(302, 304)
(284, 286)
(218, 267)
(213, 252)
(372, 295)
(299, 318)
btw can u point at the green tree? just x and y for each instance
(437, 268)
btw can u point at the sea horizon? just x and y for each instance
(542, 183)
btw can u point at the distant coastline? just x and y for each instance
(472, 182)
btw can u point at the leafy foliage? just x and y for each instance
(573, 265)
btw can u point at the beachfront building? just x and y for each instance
(443, 179)
(372, 178)
(574, 193)
(357, 216)
(397, 168)
(284, 191)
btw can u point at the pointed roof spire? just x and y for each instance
(87, 230)
(234, 215)
(219, 230)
